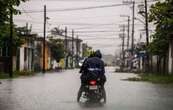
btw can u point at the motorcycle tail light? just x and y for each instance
(93, 82)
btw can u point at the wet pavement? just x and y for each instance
(57, 91)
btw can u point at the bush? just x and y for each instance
(16, 74)
(24, 73)
(153, 78)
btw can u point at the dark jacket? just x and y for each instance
(93, 66)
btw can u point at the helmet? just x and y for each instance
(98, 54)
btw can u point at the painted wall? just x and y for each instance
(21, 67)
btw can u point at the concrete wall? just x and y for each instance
(21, 59)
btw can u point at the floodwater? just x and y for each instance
(57, 91)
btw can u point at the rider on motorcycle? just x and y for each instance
(93, 67)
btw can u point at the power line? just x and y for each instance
(95, 31)
(25, 20)
(27, 14)
(86, 24)
(82, 8)
(94, 35)
(99, 38)
(66, 23)
(55, 23)
(77, 9)
(86, 17)
(91, 27)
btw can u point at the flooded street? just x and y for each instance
(57, 91)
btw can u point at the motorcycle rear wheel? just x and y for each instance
(79, 95)
(103, 95)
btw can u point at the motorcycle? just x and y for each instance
(92, 92)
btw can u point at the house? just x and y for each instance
(29, 56)
(25, 54)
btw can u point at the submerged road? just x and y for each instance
(57, 91)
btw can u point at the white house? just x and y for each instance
(26, 54)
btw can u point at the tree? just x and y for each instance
(4, 38)
(57, 49)
(161, 14)
(5, 7)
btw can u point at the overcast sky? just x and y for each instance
(99, 27)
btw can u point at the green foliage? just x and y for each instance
(17, 74)
(153, 78)
(4, 76)
(57, 49)
(5, 36)
(88, 51)
(5, 7)
(161, 14)
(23, 73)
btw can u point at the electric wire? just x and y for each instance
(83, 8)
(76, 9)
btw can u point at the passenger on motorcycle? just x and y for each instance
(93, 68)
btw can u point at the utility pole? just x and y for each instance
(147, 34)
(11, 42)
(27, 30)
(146, 22)
(72, 48)
(123, 39)
(128, 32)
(66, 49)
(77, 51)
(44, 40)
(122, 36)
(128, 29)
(133, 26)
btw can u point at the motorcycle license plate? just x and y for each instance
(93, 87)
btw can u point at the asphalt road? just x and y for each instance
(57, 91)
